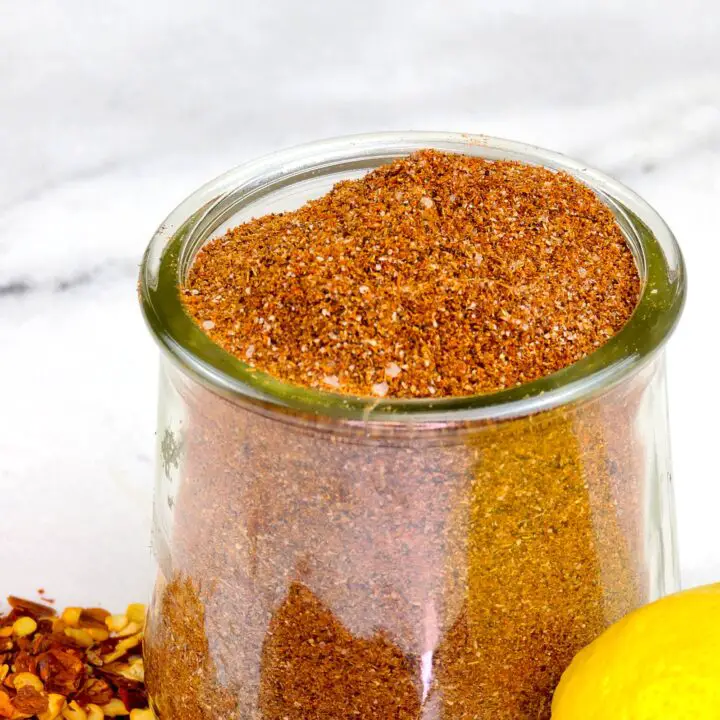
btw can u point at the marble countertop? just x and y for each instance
(112, 113)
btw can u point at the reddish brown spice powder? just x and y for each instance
(435, 275)
(316, 572)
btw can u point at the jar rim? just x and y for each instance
(194, 221)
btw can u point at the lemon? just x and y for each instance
(661, 662)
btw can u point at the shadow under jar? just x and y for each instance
(324, 556)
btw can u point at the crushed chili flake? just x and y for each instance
(436, 275)
(73, 665)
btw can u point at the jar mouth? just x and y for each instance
(280, 177)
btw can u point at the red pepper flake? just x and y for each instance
(56, 659)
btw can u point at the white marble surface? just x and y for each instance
(111, 112)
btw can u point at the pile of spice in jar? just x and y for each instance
(325, 574)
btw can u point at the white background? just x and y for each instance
(111, 112)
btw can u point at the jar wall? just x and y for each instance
(332, 570)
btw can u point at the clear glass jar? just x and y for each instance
(323, 556)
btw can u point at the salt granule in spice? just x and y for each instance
(325, 572)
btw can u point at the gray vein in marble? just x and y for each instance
(666, 128)
(37, 192)
(111, 270)
(15, 288)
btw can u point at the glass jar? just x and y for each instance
(325, 557)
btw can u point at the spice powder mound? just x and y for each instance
(436, 275)
(318, 571)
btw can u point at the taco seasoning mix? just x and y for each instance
(316, 569)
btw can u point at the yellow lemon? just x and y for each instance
(661, 662)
